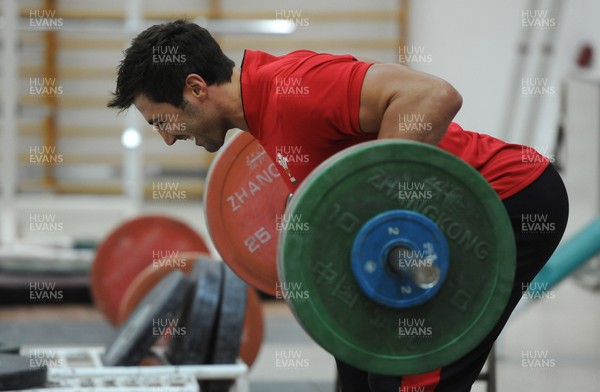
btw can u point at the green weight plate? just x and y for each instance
(338, 198)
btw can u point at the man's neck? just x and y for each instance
(232, 103)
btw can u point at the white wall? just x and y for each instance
(473, 44)
(106, 148)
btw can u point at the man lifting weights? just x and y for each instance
(322, 104)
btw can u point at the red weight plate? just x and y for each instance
(252, 336)
(244, 195)
(151, 360)
(149, 277)
(129, 249)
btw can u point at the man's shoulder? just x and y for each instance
(258, 57)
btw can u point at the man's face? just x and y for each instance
(199, 124)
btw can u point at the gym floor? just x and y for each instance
(562, 329)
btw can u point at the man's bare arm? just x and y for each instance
(398, 102)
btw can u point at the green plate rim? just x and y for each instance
(317, 183)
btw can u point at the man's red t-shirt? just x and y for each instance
(304, 107)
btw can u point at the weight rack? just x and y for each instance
(80, 369)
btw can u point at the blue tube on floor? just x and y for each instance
(568, 257)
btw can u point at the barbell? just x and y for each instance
(394, 256)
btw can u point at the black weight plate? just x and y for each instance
(7, 348)
(17, 373)
(230, 323)
(234, 294)
(199, 315)
(144, 327)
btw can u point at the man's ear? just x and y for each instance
(195, 87)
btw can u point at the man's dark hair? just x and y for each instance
(162, 56)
